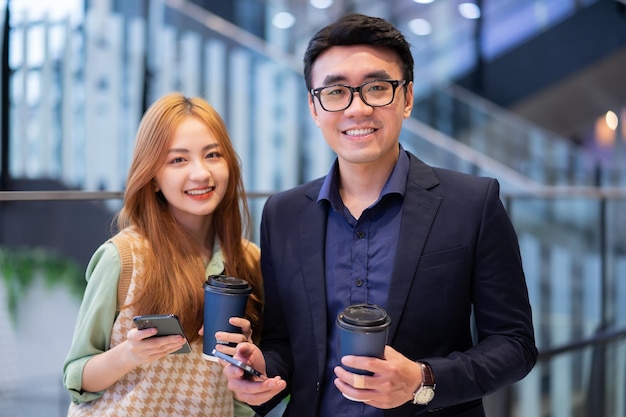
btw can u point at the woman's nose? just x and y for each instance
(200, 170)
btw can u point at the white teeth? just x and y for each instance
(198, 192)
(359, 132)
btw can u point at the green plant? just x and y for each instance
(20, 267)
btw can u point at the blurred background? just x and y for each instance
(531, 92)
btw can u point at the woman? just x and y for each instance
(184, 216)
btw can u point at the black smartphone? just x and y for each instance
(166, 325)
(248, 370)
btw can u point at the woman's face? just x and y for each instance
(194, 177)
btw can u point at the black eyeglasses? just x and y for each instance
(375, 93)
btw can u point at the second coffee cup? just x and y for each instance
(363, 330)
(224, 297)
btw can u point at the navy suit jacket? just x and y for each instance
(457, 254)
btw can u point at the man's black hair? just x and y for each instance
(358, 29)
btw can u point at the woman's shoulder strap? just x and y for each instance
(126, 271)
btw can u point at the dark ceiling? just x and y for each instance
(572, 105)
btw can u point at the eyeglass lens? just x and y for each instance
(374, 93)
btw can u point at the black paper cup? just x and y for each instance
(224, 297)
(363, 330)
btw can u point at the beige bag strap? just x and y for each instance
(126, 272)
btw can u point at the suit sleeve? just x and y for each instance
(275, 343)
(505, 350)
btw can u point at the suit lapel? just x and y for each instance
(418, 214)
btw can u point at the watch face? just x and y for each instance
(424, 395)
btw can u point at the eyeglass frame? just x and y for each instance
(315, 92)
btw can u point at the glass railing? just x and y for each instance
(575, 266)
(573, 248)
(522, 146)
(438, 149)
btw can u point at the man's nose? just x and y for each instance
(358, 104)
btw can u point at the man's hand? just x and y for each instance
(395, 379)
(255, 391)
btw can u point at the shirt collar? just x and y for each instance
(396, 183)
(216, 263)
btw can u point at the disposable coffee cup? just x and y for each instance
(363, 330)
(224, 297)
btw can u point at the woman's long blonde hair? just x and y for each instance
(173, 271)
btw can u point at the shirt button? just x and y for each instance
(360, 235)
(359, 282)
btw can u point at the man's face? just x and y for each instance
(361, 134)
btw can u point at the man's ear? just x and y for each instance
(408, 100)
(313, 109)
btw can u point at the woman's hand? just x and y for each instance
(223, 338)
(142, 348)
(106, 368)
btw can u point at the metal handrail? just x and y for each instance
(550, 192)
(602, 337)
(557, 191)
(59, 195)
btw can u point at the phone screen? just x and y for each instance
(166, 325)
(250, 371)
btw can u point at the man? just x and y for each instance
(433, 247)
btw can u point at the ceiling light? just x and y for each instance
(321, 4)
(469, 10)
(420, 27)
(611, 120)
(283, 20)
(423, 1)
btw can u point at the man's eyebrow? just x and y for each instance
(334, 79)
(382, 75)
(337, 79)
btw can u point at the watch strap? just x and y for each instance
(428, 378)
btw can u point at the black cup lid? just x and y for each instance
(225, 281)
(364, 315)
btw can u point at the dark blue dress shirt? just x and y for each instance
(358, 263)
